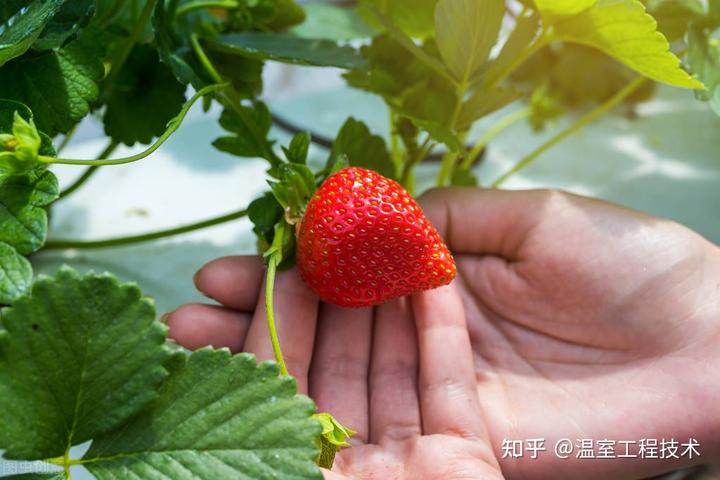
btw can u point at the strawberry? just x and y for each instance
(363, 240)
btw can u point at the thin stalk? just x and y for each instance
(582, 122)
(202, 4)
(503, 123)
(394, 142)
(90, 171)
(124, 52)
(172, 127)
(146, 237)
(269, 287)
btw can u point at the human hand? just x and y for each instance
(586, 320)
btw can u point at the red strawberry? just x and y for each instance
(363, 240)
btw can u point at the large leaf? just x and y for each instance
(250, 127)
(15, 274)
(19, 31)
(66, 24)
(289, 49)
(23, 219)
(703, 56)
(217, 416)
(362, 149)
(413, 17)
(466, 30)
(144, 98)
(58, 85)
(623, 30)
(551, 10)
(484, 102)
(78, 356)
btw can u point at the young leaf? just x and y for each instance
(8, 110)
(484, 102)
(19, 149)
(15, 274)
(57, 85)
(20, 30)
(297, 151)
(466, 30)
(23, 219)
(623, 30)
(144, 97)
(250, 139)
(553, 10)
(264, 213)
(217, 416)
(288, 49)
(362, 149)
(703, 57)
(79, 355)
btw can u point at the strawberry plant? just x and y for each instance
(83, 358)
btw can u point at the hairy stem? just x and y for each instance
(146, 237)
(583, 121)
(274, 257)
(492, 132)
(90, 171)
(173, 125)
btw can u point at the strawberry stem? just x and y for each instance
(274, 257)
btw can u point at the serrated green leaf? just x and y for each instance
(439, 132)
(15, 274)
(244, 74)
(703, 57)
(623, 30)
(20, 30)
(36, 476)
(484, 102)
(553, 10)
(288, 49)
(79, 355)
(465, 31)
(217, 416)
(362, 149)
(325, 20)
(145, 96)
(264, 213)
(415, 18)
(244, 142)
(23, 219)
(72, 17)
(57, 85)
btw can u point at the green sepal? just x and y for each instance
(19, 151)
(294, 189)
(297, 151)
(333, 437)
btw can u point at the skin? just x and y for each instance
(570, 318)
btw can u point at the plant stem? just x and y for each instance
(396, 154)
(90, 171)
(122, 241)
(274, 257)
(422, 152)
(122, 54)
(173, 125)
(201, 4)
(503, 123)
(583, 121)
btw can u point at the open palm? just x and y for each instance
(569, 319)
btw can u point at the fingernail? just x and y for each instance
(164, 317)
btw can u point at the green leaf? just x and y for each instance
(244, 74)
(265, 212)
(524, 32)
(78, 357)
(297, 152)
(288, 49)
(294, 189)
(484, 102)
(57, 85)
(19, 31)
(703, 57)
(466, 30)
(623, 30)
(553, 10)
(217, 416)
(413, 17)
(325, 20)
(72, 17)
(438, 131)
(287, 13)
(36, 476)
(15, 274)
(248, 134)
(23, 219)
(144, 98)
(362, 149)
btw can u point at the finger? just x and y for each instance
(233, 281)
(296, 309)
(339, 371)
(394, 409)
(447, 384)
(494, 222)
(196, 325)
